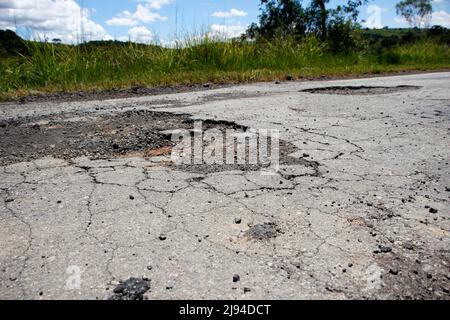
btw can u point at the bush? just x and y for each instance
(441, 34)
(410, 37)
(11, 44)
(391, 57)
(389, 42)
(435, 31)
(342, 37)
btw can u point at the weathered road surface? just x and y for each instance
(370, 220)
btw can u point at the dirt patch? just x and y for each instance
(102, 137)
(131, 289)
(360, 90)
(416, 275)
(136, 91)
(135, 133)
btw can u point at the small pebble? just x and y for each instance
(408, 246)
(384, 249)
(236, 278)
(394, 271)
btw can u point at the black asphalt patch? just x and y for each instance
(131, 289)
(262, 231)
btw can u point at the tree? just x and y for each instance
(416, 12)
(279, 18)
(288, 17)
(322, 19)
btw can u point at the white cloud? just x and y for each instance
(441, 18)
(229, 14)
(400, 20)
(144, 14)
(227, 31)
(49, 19)
(158, 4)
(140, 35)
(123, 19)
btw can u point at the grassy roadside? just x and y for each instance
(52, 68)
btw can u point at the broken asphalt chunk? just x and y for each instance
(383, 249)
(131, 289)
(262, 231)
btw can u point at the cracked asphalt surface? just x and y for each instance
(370, 221)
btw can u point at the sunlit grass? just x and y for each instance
(58, 68)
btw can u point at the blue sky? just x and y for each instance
(163, 20)
(199, 14)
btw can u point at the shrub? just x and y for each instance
(342, 37)
(391, 57)
(11, 44)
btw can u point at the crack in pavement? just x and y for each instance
(360, 180)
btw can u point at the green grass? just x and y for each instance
(62, 68)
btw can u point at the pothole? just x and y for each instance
(360, 90)
(135, 133)
(101, 137)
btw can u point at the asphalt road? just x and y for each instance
(370, 219)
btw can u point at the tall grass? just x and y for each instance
(50, 68)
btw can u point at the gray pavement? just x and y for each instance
(373, 222)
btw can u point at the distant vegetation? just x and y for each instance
(417, 13)
(11, 44)
(325, 47)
